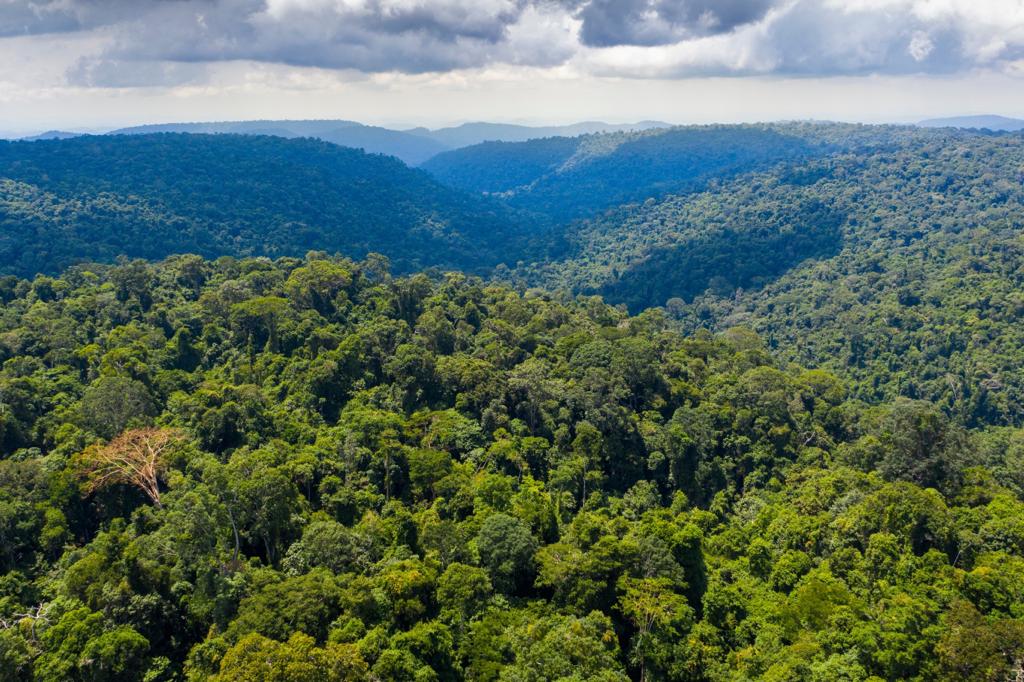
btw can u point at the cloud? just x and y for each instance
(31, 17)
(837, 37)
(105, 73)
(921, 45)
(372, 36)
(607, 23)
(167, 42)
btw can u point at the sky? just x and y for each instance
(99, 64)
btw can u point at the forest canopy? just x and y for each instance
(310, 469)
(894, 261)
(707, 404)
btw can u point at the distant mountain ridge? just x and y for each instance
(475, 133)
(990, 122)
(413, 146)
(51, 135)
(412, 149)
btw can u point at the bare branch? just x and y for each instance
(137, 457)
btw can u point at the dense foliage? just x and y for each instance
(150, 196)
(567, 178)
(311, 470)
(915, 278)
(502, 167)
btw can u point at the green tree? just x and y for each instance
(112, 403)
(979, 649)
(507, 548)
(255, 658)
(462, 592)
(80, 647)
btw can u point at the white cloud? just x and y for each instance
(921, 46)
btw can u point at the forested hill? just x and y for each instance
(98, 197)
(899, 265)
(983, 122)
(568, 178)
(889, 254)
(478, 132)
(308, 470)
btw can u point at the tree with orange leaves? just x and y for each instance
(138, 457)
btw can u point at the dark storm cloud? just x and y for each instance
(659, 22)
(444, 21)
(369, 36)
(32, 17)
(23, 18)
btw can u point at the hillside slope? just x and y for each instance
(900, 265)
(569, 178)
(150, 196)
(475, 133)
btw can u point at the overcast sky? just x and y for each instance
(104, 63)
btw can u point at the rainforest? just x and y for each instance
(701, 403)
